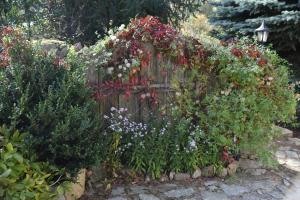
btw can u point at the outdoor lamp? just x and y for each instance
(262, 33)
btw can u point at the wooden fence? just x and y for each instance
(142, 108)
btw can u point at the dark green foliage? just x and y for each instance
(79, 20)
(52, 102)
(282, 17)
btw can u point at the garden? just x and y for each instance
(139, 97)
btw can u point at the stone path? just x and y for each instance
(250, 183)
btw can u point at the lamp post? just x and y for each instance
(262, 33)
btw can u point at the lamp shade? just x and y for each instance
(262, 32)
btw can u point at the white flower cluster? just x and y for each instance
(119, 122)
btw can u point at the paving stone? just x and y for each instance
(197, 197)
(180, 193)
(286, 182)
(118, 198)
(234, 190)
(276, 194)
(117, 191)
(206, 195)
(138, 189)
(212, 188)
(249, 164)
(295, 141)
(211, 182)
(292, 154)
(257, 172)
(147, 197)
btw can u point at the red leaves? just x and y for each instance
(262, 62)
(236, 52)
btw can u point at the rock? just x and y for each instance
(208, 183)
(61, 197)
(285, 132)
(178, 193)
(245, 164)
(232, 167)
(182, 177)
(234, 190)
(222, 173)
(206, 195)
(259, 191)
(208, 171)
(295, 141)
(286, 182)
(196, 174)
(292, 154)
(77, 189)
(147, 179)
(147, 197)
(212, 188)
(171, 175)
(163, 178)
(138, 189)
(118, 198)
(117, 191)
(256, 172)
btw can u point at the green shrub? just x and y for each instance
(49, 98)
(21, 178)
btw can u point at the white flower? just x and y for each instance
(125, 61)
(113, 37)
(193, 144)
(111, 32)
(178, 94)
(128, 65)
(121, 27)
(119, 75)
(110, 70)
(143, 96)
(113, 109)
(120, 66)
(148, 94)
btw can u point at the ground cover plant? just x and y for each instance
(232, 95)
(20, 177)
(48, 98)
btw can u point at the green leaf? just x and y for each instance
(10, 147)
(18, 157)
(6, 173)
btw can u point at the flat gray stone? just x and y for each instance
(212, 182)
(118, 198)
(117, 191)
(257, 172)
(180, 193)
(234, 190)
(148, 197)
(138, 189)
(249, 164)
(292, 154)
(206, 195)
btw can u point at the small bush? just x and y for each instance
(48, 98)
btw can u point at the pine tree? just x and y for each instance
(244, 16)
